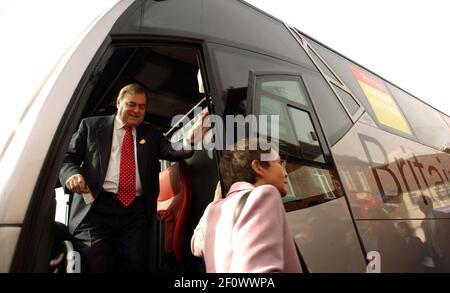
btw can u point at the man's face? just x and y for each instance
(131, 109)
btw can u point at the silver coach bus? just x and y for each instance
(368, 169)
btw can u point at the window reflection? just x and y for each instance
(309, 182)
(306, 135)
(273, 107)
(287, 89)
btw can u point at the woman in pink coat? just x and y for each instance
(259, 239)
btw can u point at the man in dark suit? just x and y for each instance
(112, 166)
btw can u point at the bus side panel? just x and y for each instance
(326, 238)
(387, 177)
(412, 246)
(8, 240)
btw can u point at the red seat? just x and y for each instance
(173, 205)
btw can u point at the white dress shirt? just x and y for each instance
(111, 183)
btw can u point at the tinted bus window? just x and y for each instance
(426, 122)
(340, 66)
(288, 89)
(322, 66)
(347, 99)
(211, 20)
(232, 73)
(332, 115)
(270, 106)
(370, 90)
(306, 135)
(310, 179)
(233, 67)
(309, 182)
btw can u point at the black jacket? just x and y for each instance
(89, 152)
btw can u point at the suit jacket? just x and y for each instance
(89, 152)
(260, 241)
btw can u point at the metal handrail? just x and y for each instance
(176, 125)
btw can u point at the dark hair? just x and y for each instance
(235, 164)
(132, 88)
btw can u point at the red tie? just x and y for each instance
(127, 177)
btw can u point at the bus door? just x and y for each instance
(318, 213)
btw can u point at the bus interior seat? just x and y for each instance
(172, 207)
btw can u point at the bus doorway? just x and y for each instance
(173, 75)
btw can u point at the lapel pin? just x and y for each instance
(142, 141)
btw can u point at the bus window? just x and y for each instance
(311, 177)
(427, 123)
(287, 89)
(270, 106)
(322, 65)
(340, 66)
(373, 92)
(306, 135)
(347, 99)
(232, 67)
(314, 183)
(285, 97)
(344, 94)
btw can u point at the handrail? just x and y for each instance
(175, 126)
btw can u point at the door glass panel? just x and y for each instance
(306, 135)
(271, 106)
(286, 89)
(310, 182)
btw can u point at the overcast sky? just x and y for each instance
(405, 41)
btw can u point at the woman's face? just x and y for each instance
(275, 173)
